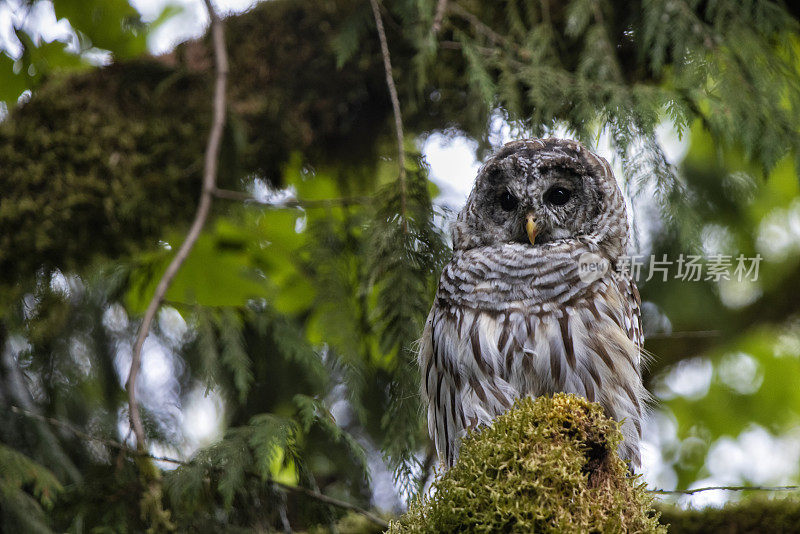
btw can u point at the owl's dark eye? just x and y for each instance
(557, 196)
(508, 201)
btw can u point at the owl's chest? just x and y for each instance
(514, 278)
(538, 347)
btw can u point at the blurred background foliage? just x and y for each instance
(283, 355)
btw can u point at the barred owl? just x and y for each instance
(531, 302)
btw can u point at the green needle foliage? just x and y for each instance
(26, 490)
(298, 322)
(406, 252)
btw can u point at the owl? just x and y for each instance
(532, 302)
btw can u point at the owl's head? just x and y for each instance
(539, 191)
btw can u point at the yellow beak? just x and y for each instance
(530, 227)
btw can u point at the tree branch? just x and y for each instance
(321, 497)
(725, 488)
(441, 9)
(494, 38)
(686, 334)
(398, 120)
(479, 26)
(227, 194)
(114, 444)
(203, 209)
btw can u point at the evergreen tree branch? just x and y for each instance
(204, 207)
(307, 492)
(479, 26)
(427, 468)
(398, 119)
(321, 497)
(483, 29)
(597, 12)
(699, 26)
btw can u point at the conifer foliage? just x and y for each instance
(290, 331)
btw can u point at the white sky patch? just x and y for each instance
(189, 24)
(59, 284)
(704, 499)
(787, 345)
(172, 325)
(156, 368)
(8, 40)
(737, 294)
(202, 419)
(453, 167)
(751, 457)
(779, 233)
(41, 23)
(660, 433)
(115, 318)
(740, 372)
(655, 472)
(157, 388)
(79, 352)
(688, 378)
(675, 148)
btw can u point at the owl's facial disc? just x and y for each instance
(534, 192)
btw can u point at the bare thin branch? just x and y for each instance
(494, 38)
(438, 18)
(398, 120)
(686, 334)
(321, 497)
(203, 209)
(479, 26)
(725, 488)
(114, 444)
(227, 194)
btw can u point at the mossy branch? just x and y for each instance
(548, 465)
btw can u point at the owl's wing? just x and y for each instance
(461, 377)
(633, 313)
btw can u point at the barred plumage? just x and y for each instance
(515, 315)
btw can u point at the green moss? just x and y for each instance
(350, 523)
(548, 465)
(751, 516)
(99, 164)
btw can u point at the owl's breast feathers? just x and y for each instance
(511, 321)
